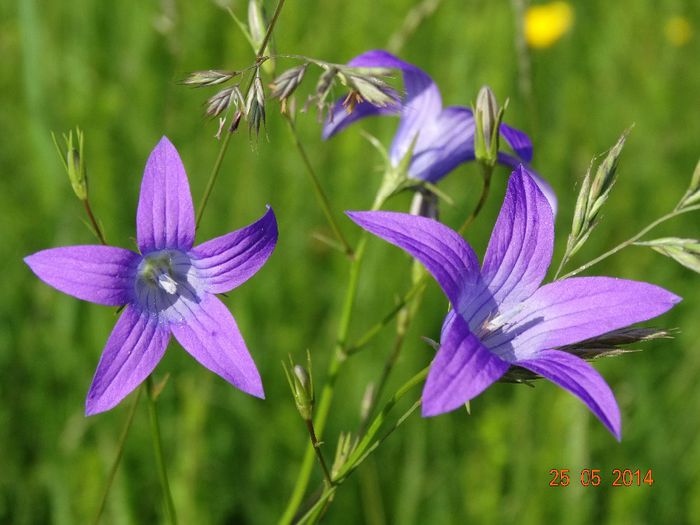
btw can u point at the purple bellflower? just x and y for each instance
(444, 136)
(167, 288)
(501, 316)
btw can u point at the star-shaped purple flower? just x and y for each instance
(501, 316)
(166, 289)
(445, 136)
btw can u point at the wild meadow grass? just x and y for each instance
(114, 69)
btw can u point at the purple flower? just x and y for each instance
(445, 135)
(502, 317)
(167, 289)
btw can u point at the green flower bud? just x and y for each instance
(488, 119)
(302, 386)
(73, 162)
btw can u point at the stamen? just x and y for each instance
(501, 320)
(167, 283)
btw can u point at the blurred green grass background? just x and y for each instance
(113, 68)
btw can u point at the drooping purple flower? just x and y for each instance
(501, 315)
(445, 136)
(168, 288)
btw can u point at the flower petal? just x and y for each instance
(462, 369)
(520, 248)
(99, 274)
(441, 250)
(133, 350)
(211, 336)
(228, 261)
(338, 118)
(165, 215)
(572, 310)
(518, 141)
(581, 379)
(443, 144)
(545, 187)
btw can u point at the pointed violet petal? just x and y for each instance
(99, 274)
(338, 118)
(518, 141)
(165, 215)
(133, 350)
(441, 250)
(520, 248)
(211, 336)
(462, 369)
(228, 261)
(581, 379)
(572, 310)
(545, 187)
(443, 144)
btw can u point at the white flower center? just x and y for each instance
(167, 284)
(497, 321)
(157, 270)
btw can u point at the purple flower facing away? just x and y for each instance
(502, 316)
(445, 136)
(168, 288)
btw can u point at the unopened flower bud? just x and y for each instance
(73, 162)
(488, 119)
(302, 387)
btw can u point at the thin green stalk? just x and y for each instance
(318, 189)
(634, 238)
(158, 448)
(366, 447)
(118, 457)
(487, 171)
(524, 62)
(374, 330)
(414, 18)
(93, 221)
(338, 358)
(314, 513)
(212, 177)
(227, 137)
(317, 447)
(326, 398)
(405, 317)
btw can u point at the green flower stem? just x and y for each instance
(227, 136)
(403, 322)
(318, 189)
(376, 328)
(631, 240)
(212, 177)
(326, 398)
(366, 446)
(118, 457)
(93, 221)
(314, 514)
(338, 358)
(317, 447)
(158, 448)
(487, 172)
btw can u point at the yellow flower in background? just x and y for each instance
(678, 31)
(547, 23)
